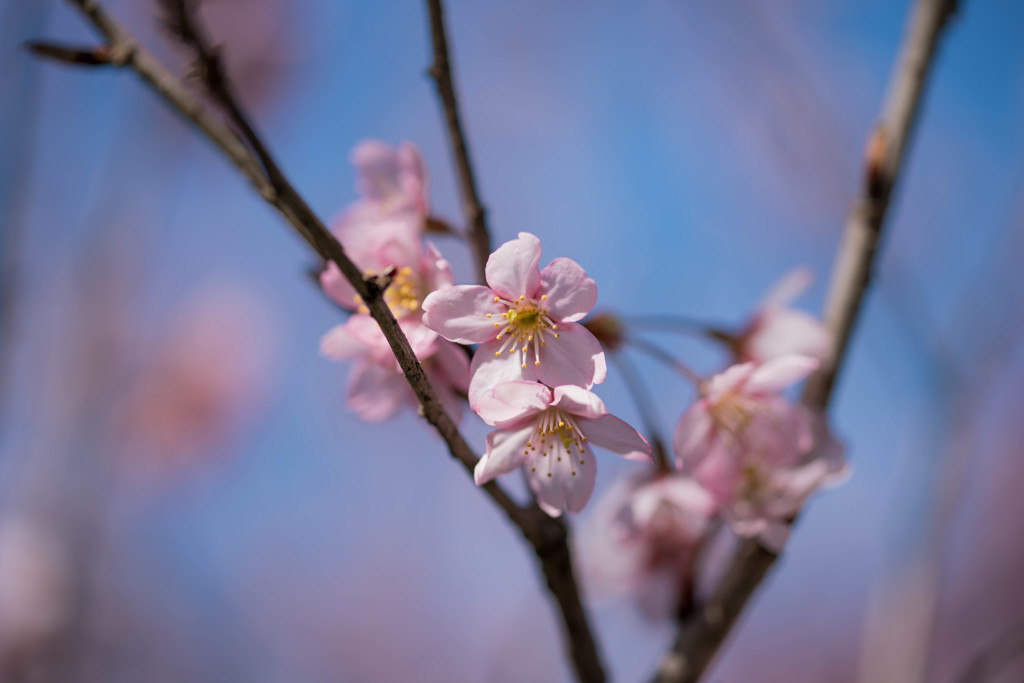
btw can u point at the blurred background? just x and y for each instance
(183, 495)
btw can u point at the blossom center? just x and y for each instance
(404, 296)
(525, 326)
(735, 412)
(557, 436)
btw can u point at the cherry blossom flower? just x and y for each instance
(776, 329)
(524, 320)
(759, 454)
(419, 270)
(377, 388)
(198, 385)
(549, 433)
(394, 205)
(644, 540)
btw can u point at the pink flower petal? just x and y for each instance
(778, 373)
(436, 270)
(488, 371)
(793, 284)
(376, 392)
(556, 487)
(413, 174)
(450, 400)
(453, 362)
(693, 436)
(785, 331)
(731, 379)
(422, 339)
(338, 288)
(615, 435)
(513, 269)
(720, 472)
(575, 358)
(512, 402)
(570, 293)
(377, 170)
(779, 434)
(693, 503)
(579, 401)
(340, 344)
(375, 241)
(459, 313)
(506, 450)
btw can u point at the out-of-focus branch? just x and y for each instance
(441, 72)
(548, 537)
(992, 660)
(700, 638)
(644, 405)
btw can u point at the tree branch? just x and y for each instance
(473, 209)
(700, 638)
(548, 537)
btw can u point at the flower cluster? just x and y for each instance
(534, 364)
(533, 370)
(745, 454)
(384, 230)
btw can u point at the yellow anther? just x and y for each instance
(543, 297)
(497, 299)
(536, 362)
(488, 315)
(497, 354)
(524, 366)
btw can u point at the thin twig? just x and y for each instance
(644, 405)
(678, 323)
(548, 537)
(662, 356)
(700, 638)
(558, 568)
(994, 658)
(441, 71)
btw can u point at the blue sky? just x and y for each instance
(686, 154)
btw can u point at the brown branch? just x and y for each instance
(700, 638)
(69, 54)
(548, 537)
(441, 71)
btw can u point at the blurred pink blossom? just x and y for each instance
(759, 454)
(377, 389)
(380, 228)
(560, 423)
(207, 372)
(644, 539)
(529, 313)
(776, 329)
